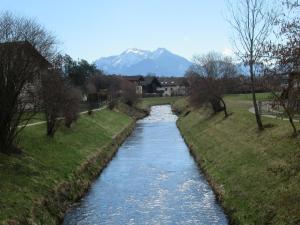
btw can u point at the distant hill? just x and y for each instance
(140, 62)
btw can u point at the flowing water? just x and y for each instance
(152, 180)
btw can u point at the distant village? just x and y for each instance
(151, 86)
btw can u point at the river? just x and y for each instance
(152, 180)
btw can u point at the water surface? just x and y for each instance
(152, 180)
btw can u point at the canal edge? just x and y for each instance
(214, 186)
(86, 174)
(52, 208)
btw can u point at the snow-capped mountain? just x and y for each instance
(141, 62)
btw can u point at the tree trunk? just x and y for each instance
(4, 146)
(224, 107)
(216, 105)
(292, 124)
(6, 137)
(7, 146)
(50, 128)
(68, 123)
(287, 111)
(257, 115)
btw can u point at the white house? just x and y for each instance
(171, 86)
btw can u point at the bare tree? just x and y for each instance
(114, 91)
(206, 90)
(291, 3)
(23, 46)
(60, 101)
(15, 29)
(52, 97)
(284, 95)
(208, 76)
(71, 104)
(92, 96)
(284, 53)
(283, 58)
(251, 21)
(96, 87)
(129, 95)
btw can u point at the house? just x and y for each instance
(172, 86)
(146, 86)
(25, 58)
(150, 86)
(138, 81)
(23, 50)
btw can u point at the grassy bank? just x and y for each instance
(37, 186)
(256, 175)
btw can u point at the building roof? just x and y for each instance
(25, 47)
(172, 81)
(134, 78)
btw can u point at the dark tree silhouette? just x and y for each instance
(52, 95)
(71, 104)
(207, 77)
(129, 95)
(25, 47)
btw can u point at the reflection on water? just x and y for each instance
(152, 180)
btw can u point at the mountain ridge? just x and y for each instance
(135, 61)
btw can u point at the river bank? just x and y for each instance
(255, 175)
(39, 185)
(152, 180)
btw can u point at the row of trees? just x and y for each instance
(20, 68)
(58, 98)
(263, 38)
(114, 87)
(268, 34)
(34, 77)
(63, 91)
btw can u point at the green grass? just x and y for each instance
(259, 96)
(256, 174)
(46, 162)
(38, 117)
(146, 103)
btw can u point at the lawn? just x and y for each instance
(33, 118)
(248, 97)
(46, 162)
(256, 174)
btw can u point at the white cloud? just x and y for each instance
(227, 52)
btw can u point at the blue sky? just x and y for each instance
(94, 28)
